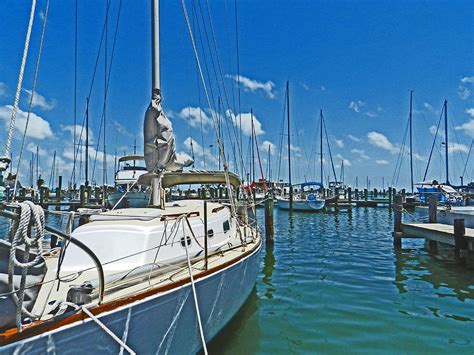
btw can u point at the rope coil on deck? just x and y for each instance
(21, 235)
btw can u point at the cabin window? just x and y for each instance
(210, 233)
(226, 226)
(185, 241)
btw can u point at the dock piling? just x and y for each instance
(433, 218)
(269, 230)
(460, 241)
(397, 222)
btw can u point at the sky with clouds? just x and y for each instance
(355, 60)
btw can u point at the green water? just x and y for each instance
(333, 283)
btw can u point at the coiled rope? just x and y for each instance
(21, 235)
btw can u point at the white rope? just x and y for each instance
(19, 234)
(33, 89)
(201, 332)
(107, 330)
(20, 81)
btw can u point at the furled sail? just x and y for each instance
(160, 147)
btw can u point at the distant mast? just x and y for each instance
(411, 141)
(446, 150)
(289, 143)
(321, 144)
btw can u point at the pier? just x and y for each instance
(456, 235)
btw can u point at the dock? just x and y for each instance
(456, 235)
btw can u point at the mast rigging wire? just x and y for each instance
(30, 105)
(20, 81)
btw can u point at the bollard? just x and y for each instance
(397, 221)
(433, 217)
(269, 230)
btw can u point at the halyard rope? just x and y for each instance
(201, 332)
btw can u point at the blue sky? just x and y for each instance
(356, 60)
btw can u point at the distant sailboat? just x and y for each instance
(305, 200)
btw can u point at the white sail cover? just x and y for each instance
(160, 148)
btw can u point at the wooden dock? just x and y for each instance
(456, 235)
(442, 233)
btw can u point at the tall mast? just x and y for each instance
(321, 144)
(446, 150)
(155, 54)
(87, 142)
(411, 141)
(289, 142)
(252, 168)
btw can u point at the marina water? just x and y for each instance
(333, 283)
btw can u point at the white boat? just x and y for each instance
(128, 193)
(448, 215)
(165, 279)
(305, 199)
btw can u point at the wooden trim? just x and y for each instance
(12, 335)
(168, 217)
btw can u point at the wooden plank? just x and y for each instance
(442, 233)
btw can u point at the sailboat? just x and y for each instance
(304, 200)
(164, 279)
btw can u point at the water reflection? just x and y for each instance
(437, 274)
(268, 267)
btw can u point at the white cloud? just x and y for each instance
(456, 147)
(246, 122)
(371, 114)
(346, 161)
(379, 140)
(467, 127)
(40, 101)
(122, 129)
(339, 143)
(266, 145)
(360, 153)
(3, 90)
(356, 105)
(38, 127)
(428, 107)
(353, 138)
(470, 111)
(382, 162)
(295, 148)
(194, 116)
(198, 150)
(254, 85)
(467, 79)
(79, 129)
(323, 88)
(463, 92)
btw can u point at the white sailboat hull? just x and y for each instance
(302, 205)
(162, 323)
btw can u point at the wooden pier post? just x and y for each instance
(366, 195)
(336, 197)
(433, 218)
(375, 193)
(82, 195)
(403, 194)
(389, 197)
(460, 242)
(269, 230)
(349, 195)
(397, 221)
(41, 193)
(356, 194)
